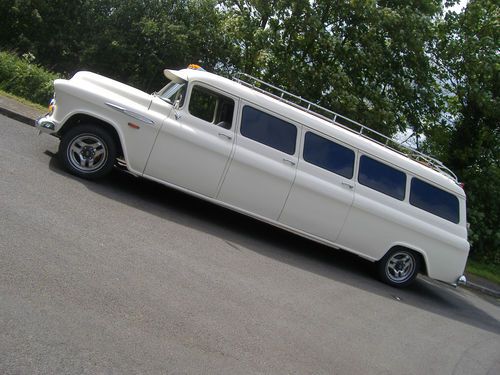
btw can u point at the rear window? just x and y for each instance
(328, 155)
(434, 200)
(268, 130)
(381, 177)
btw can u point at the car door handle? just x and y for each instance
(228, 137)
(177, 115)
(288, 161)
(347, 185)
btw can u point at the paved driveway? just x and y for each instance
(127, 276)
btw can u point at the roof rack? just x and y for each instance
(344, 122)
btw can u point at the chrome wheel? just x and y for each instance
(400, 267)
(87, 153)
(88, 150)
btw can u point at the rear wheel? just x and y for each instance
(88, 151)
(399, 267)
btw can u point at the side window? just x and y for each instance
(268, 130)
(434, 200)
(174, 91)
(328, 155)
(211, 107)
(381, 177)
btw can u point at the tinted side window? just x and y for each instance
(268, 130)
(328, 155)
(211, 107)
(382, 177)
(434, 200)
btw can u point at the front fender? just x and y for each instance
(135, 134)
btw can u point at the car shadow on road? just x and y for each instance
(240, 231)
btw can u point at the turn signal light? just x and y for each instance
(52, 106)
(195, 67)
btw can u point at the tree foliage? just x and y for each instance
(467, 51)
(393, 65)
(366, 59)
(130, 40)
(19, 76)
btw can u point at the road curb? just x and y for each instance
(482, 289)
(17, 116)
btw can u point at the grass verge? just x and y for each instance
(488, 271)
(36, 106)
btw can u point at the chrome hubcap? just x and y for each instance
(400, 267)
(87, 153)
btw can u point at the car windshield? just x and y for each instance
(172, 92)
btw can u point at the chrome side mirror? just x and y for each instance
(177, 103)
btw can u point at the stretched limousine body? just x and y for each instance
(253, 148)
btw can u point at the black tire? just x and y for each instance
(399, 267)
(87, 151)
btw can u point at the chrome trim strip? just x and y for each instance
(130, 113)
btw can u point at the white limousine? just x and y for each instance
(253, 148)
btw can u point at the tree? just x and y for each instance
(50, 30)
(468, 139)
(129, 40)
(364, 59)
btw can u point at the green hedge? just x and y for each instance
(22, 77)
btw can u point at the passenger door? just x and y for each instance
(379, 215)
(194, 144)
(323, 191)
(263, 167)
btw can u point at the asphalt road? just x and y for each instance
(127, 276)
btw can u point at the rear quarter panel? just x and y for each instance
(378, 222)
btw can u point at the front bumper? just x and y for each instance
(46, 124)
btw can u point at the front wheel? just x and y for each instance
(399, 267)
(87, 151)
